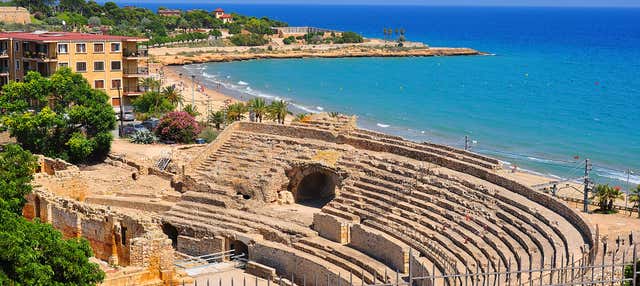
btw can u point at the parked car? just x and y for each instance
(128, 116)
(151, 123)
(129, 129)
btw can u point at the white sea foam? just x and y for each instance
(383, 125)
(319, 108)
(243, 83)
(617, 175)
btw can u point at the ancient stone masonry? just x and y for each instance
(133, 240)
(324, 197)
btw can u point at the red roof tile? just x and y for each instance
(218, 10)
(226, 16)
(65, 36)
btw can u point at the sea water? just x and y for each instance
(562, 85)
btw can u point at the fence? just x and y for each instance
(609, 271)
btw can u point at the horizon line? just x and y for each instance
(546, 5)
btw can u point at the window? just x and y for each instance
(115, 101)
(116, 65)
(98, 66)
(17, 65)
(63, 48)
(17, 47)
(81, 67)
(116, 83)
(115, 47)
(63, 65)
(98, 48)
(98, 83)
(81, 48)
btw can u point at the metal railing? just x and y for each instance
(614, 272)
(138, 53)
(136, 71)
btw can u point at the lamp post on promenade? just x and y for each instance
(193, 93)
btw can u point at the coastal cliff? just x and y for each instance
(199, 55)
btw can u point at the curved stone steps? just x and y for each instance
(370, 265)
(368, 212)
(408, 219)
(389, 182)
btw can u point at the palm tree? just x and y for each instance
(278, 110)
(192, 110)
(236, 111)
(606, 195)
(217, 118)
(173, 95)
(301, 117)
(258, 107)
(150, 84)
(635, 198)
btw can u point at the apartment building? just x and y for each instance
(114, 64)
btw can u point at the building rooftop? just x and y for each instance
(226, 16)
(66, 36)
(218, 10)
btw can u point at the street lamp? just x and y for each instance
(193, 94)
(121, 108)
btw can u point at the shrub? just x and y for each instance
(79, 147)
(178, 126)
(143, 137)
(209, 134)
(248, 40)
(289, 40)
(351, 37)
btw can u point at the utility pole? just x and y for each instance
(466, 143)
(587, 181)
(193, 93)
(626, 195)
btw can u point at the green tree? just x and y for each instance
(173, 95)
(16, 167)
(150, 84)
(216, 118)
(191, 109)
(351, 37)
(152, 103)
(34, 253)
(634, 197)
(45, 114)
(606, 195)
(236, 111)
(258, 107)
(278, 110)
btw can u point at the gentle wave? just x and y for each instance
(383, 125)
(243, 83)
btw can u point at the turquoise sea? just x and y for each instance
(563, 83)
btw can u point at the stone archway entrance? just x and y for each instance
(240, 249)
(172, 232)
(313, 185)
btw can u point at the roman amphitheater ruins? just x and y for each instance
(319, 198)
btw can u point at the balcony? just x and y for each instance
(136, 72)
(4, 53)
(4, 71)
(41, 56)
(135, 55)
(133, 90)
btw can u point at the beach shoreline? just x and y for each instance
(194, 55)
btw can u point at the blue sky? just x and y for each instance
(562, 3)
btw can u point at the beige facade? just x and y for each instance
(113, 64)
(17, 15)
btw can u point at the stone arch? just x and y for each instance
(172, 232)
(314, 184)
(239, 249)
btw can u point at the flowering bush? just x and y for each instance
(178, 126)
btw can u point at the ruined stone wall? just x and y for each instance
(384, 248)
(200, 246)
(332, 228)
(298, 263)
(17, 15)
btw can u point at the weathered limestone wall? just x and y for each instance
(384, 248)
(290, 261)
(200, 246)
(419, 269)
(332, 228)
(17, 15)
